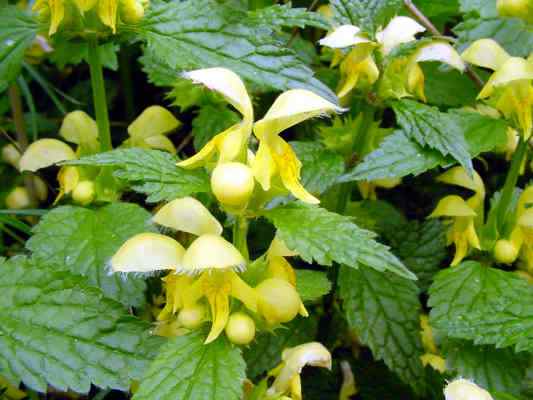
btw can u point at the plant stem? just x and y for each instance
(240, 234)
(510, 181)
(346, 188)
(126, 81)
(419, 15)
(99, 96)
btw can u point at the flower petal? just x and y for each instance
(243, 292)
(188, 215)
(153, 121)
(219, 303)
(107, 11)
(211, 252)
(440, 51)
(78, 127)
(452, 206)
(343, 36)
(263, 166)
(228, 84)
(291, 108)
(160, 142)
(45, 152)
(458, 176)
(399, 30)
(486, 53)
(148, 252)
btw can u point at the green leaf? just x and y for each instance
(265, 354)
(285, 16)
(438, 8)
(366, 14)
(57, 329)
(481, 8)
(398, 156)
(447, 87)
(210, 121)
(83, 241)
(434, 129)
(312, 285)
(203, 33)
(70, 52)
(376, 215)
(384, 310)
(493, 369)
(475, 302)
(320, 167)
(421, 246)
(151, 172)
(17, 31)
(323, 236)
(511, 33)
(186, 369)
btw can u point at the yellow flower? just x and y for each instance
(293, 360)
(462, 231)
(521, 237)
(431, 356)
(150, 128)
(509, 88)
(275, 156)
(358, 68)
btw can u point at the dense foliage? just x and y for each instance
(266, 200)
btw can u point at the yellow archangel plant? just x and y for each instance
(358, 68)
(275, 157)
(462, 216)
(208, 269)
(108, 11)
(509, 89)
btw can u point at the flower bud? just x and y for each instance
(279, 301)
(192, 317)
(18, 198)
(40, 188)
(84, 193)
(514, 8)
(240, 328)
(131, 11)
(232, 183)
(11, 155)
(505, 251)
(462, 389)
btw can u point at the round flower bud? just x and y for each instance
(232, 183)
(279, 301)
(11, 155)
(18, 198)
(240, 328)
(84, 193)
(513, 8)
(462, 389)
(505, 251)
(192, 317)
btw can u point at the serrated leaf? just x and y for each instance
(311, 285)
(398, 156)
(57, 329)
(204, 33)
(265, 353)
(323, 236)
(151, 172)
(283, 15)
(366, 14)
(511, 33)
(421, 246)
(186, 369)
(434, 129)
(384, 309)
(17, 31)
(71, 52)
(83, 241)
(489, 306)
(210, 121)
(375, 215)
(482, 8)
(320, 167)
(438, 8)
(493, 369)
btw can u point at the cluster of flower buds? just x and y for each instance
(149, 130)
(204, 282)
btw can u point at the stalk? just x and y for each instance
(99, 96)
(240, 233)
